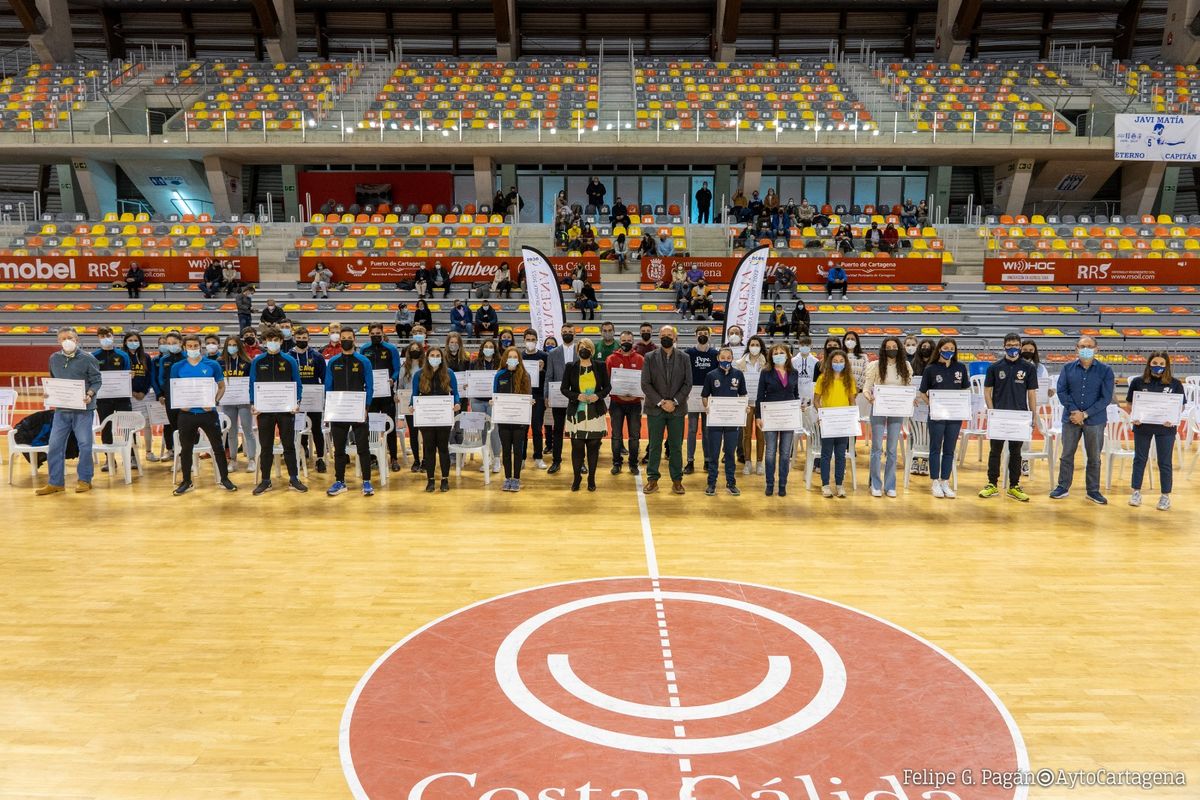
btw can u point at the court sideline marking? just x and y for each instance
(664, 634)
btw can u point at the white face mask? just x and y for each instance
(106, 342)
(212, 349)
(531, 347)
(488, 352)
(512, 363)
(69, 346)
(435, 361)
(910, 349)
(755, 349)
(193, 355)
(334, 338)
(735, 338)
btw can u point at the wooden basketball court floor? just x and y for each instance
(205, 646)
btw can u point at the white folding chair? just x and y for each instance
(8, 402)
(472, 442)
(30, 450)
(1193, 430)
(303, 431)
(814, 452)
(918, 448)
(378, 427)
(203, 445)
(1118, 443)
(124, 427)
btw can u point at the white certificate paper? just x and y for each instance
(839, 421)
(275, 397)
(193, 393)
(626, 382)
(894, 401)
(116, 383)
(312, 399)
(479, 383)
(237, 392)
(554, 396)
(1157, 408)
(695, 401)
(1009, 426)
(433, 411)
(345, 406)
(65, 393)
(534, 368)
(950, 404)
(381, 383)
(781, 415)
(512, 409)
(726, 412)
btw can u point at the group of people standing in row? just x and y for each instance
(573, 378)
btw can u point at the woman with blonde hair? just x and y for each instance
(435, 378)
(834, 389)
(585, 383)
(512, 379)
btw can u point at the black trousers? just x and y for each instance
(386, 405)
(538, 420)
(581, 448)
(555, 445)
(436, 441)
(340, 431)
(171, 426)
(107, 406)
(133, 289)
(512, 449)
(403, 331)
(190, 427)
(317, 420)
(267, 424)
(995, 451)
(414, 438)
(701, 215)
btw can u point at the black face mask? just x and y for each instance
(376, 340)
(347, 345)
(302, 344)
(1028, 355)
(414, 353)
(568, 338)
(702, 339)
(645, 336)
(626, 346)
(585, 354)
(248, 341)
(667, 342)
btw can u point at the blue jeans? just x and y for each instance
(943, 439)
(723, 440)
(1163, 437)
(779, 442)
(1093, 440)
(66, 422)
(880, 425)
(833, 449)
(695, 422)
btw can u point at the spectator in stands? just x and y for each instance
(499, 204)
(1085, 389)
(579, 277)
(665, 246)
(703, 204)
(595, 193)
(231, 278)
(643, 345)
(620, 213)
(487, 323)
(321, 278)
(1010, 385)
(778, 323)
(461, 319)
(502, 280)
(780, 224)
(586, 302)
(771, 201)
(135, 280)
(404, 320)
(587, 243)
(873, 240)
(891, 238)
(666, 384)
(72, 363)
(737, 206)
(647, 247)
(701, 303)
(574, 236)
(1156, 377)
(561, 205)
(422, 316)
(801, 321)
(245, 309)
(620, 252)
(922, 214)
(440, 279)
(805, 213)
(514, 202)
(210, 281)
(681, 285)
(745, 237)
(835, 279)
(843, 238)
(754, 208)
(785, 281)
(272, 314)
(908, 213)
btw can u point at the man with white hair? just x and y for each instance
(1085, 389)
(71, 363)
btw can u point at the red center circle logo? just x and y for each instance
(674, 689)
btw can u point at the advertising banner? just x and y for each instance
(720, 269)
(462, 269)
(545, 294)
(1091, 271)
(104, 269)
(1157, 137)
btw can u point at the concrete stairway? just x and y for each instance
(616, 94)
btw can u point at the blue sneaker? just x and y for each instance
(338, 487)
(516, 485)
(507, 487)
(1059, 493)
(368, 490)
(1097, 498)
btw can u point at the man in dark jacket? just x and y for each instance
(703, 204)
(596, 193)
(666, 384)
(211, 281)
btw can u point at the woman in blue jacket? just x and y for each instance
(435, 378)
(1156, 377)
(778, 383)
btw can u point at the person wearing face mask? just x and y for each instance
(435, 379)
(461, 319)
(643, 345)
(1029, 352)
(110, 359)
(404, 320)
(212, 346)
(140, 364)
(275, 366)
(512, 379)
(608, 343)
(171, 353)
(384, 357)
(910, 348)
(704, 360)
(1156, 377)
(556, 367)
(506, 340)
(535, 364)
(457, 357)
(945, 374)
(585, 384)
(414, 356)
(753, 362)
(69, 362)
(666, 384)
(926, 355)
(733, 340)
(780, 383)
(334, 346)
(834, 389)
(312, 373)
(250, 343)
(487, 322)
(625, 410)
(892, 369)
(724, 381)
(194, 421)
(801, 320)
(245, 307)
(1085, 389)
(235, 363)
(420, 337)
(423, 316)
(778, 324)
(349, 371)
(852, 345)
(806, 366)
(287, 331)
(488, 360)
(1010, 384)
(272, 314)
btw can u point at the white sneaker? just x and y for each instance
(540, 464)
(891, 492)
(826, 491)
(937, 489)
(747, 469)
(841, 492)
(251, 466)
(496, 466)
(1135, 499)
(483, 468)
(876, 492)
(947, 491)
(760, 468)
(1164, 502)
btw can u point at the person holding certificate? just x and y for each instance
(111, 360)
(724, 381)
(891, 369)
(779, 384)
(1156, 378)
(414, 356)
(537, 358)
(196, 420)
(625, 410)
(170, 354)
(435, 378)
(751, 365)
(1009, 385)
(350, 371)
(488, 360)
(235, 363)
(273, 368)
(72, 364)
(1085, 389)
(557, 359)
(585, 383)
(513, 379)
(704, 360)
(835, 388)
(140, 366)
(312, 373)
(944, 375)
(385, 360)
(666, 384)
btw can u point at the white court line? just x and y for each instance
(647, 536)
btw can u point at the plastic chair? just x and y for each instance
(472, 442)
(125, 427)
(918, 448)
(814, 452)
(8, 401)
(379, 426)
(15, 450)
(303, 428)
(202, 446)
